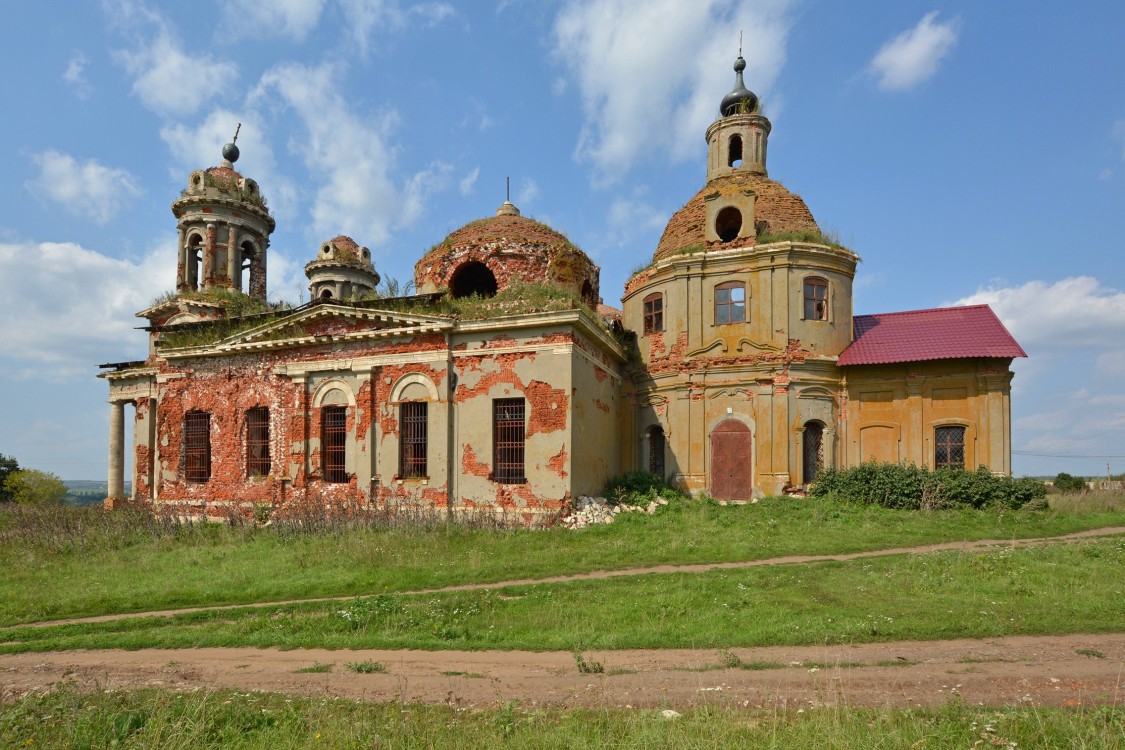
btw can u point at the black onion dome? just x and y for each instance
(230, 153)
(740, 100)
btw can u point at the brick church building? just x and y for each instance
(735, 366)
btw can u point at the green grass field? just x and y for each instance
(249, 721)
(64, 569)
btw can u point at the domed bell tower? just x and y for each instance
(224, 228)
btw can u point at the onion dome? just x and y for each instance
(741, 100)
(486, 256)
(775, 210)
(341, 269)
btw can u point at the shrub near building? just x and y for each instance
(911, 487)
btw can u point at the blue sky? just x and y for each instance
(966, 151)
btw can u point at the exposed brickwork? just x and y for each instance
(781, 210)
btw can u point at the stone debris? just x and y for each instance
(590, 511)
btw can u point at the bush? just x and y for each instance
(908, 486)
(1066, 483)
(637, 488)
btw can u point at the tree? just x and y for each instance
(33, 487)
(8, 466)
(1066, 483)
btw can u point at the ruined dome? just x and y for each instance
(342, 268)
(775, 210)
(486, 256)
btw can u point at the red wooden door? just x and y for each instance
(731, 461)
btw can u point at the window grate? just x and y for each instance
(258, 442)
(334, 443)
(508, 434)
(412, 442)
(197, 446)
(949, 448)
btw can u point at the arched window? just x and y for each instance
(473, 278)
(816, 299)
(813, 451)
(412, 416)
(194, 261)
(949, 447)
(197, 446)
(246, 261)
(334, 443)
(258, 442)
(656, 450)
(730, 303)
(734, 151)
(654, 313)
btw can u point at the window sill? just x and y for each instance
(412, 480)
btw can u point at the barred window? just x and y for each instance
(412, 441)
(949, 448)
(730, 303)
(508, 434)
(816, 299)
(654, 313)
(197, 446)
(258, 442)
(334, 442)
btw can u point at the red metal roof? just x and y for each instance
(919, 335)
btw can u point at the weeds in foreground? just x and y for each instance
(367, 667)
(69, 718)
(587, 667)
(316, 668)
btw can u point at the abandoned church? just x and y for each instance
(735, 366)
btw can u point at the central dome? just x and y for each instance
(775, 210)
(486, 256)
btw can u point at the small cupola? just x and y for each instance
(342, 269)
(736, 142)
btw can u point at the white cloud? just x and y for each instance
(201, 146)
(74, 307)
(172, 83)
(468, 183)
(291, 18)
(365, 16)
(420, 187)
(913, 56)
(1073, 313)
(651, 73)
(1067, 395)
(75, 75)
(528, 192)
(345, 149)
(629, 219)
(87, 188)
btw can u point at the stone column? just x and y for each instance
(209, 253)
(116, 483)
(234, 259)
(182, 283)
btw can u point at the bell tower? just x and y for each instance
(224, 228)
(736, 142)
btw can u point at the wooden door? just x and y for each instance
(731, 461)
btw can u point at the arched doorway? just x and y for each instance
(732, 468)
(656, 450)
(812, 457)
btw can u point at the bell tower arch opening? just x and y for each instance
(472, 278)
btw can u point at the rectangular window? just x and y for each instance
(816, 299)
(730, 303)
(197, 446)
(949, 448)
(654, 313)
(334, 442)
(412, 441)
(508, 440)
(258, 442)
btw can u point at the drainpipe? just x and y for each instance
(450, 427)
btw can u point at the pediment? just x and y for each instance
(716, 344)
(745, 343)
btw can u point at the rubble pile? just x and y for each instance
(589, 511)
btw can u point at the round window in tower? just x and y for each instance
(728, 223)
